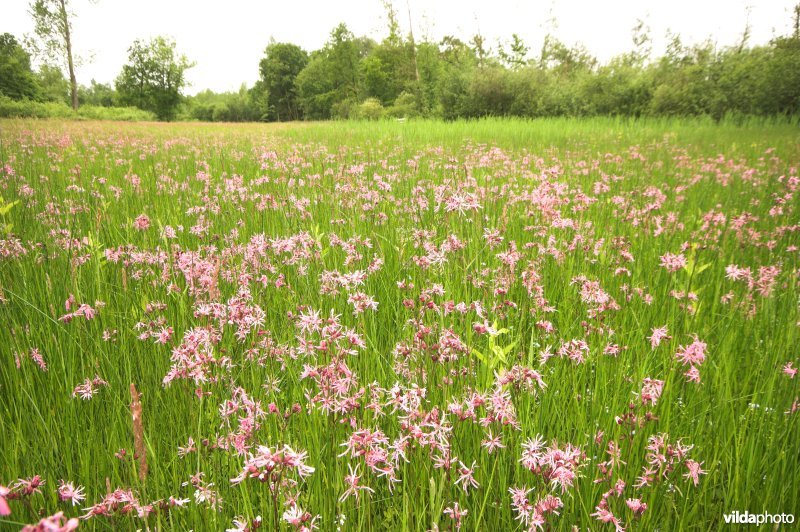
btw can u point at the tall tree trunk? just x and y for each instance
(413, 44)
(418, 85)
(73, 83)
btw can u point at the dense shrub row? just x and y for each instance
(32, 109)
(357, 77)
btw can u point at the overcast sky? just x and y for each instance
(227, 38)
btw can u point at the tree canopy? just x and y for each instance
(17, 79)
(279, 68)
(154, 77)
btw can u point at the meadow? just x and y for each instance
(476, 325)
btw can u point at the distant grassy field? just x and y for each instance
(415, 325)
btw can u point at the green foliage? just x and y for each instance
(154, 77)
(515, 56)
(455, 79)
(97, 94)
(496, 356)
(450, 79)
(388, 70)
(345, 109)
(54, 87)
(5, 208)
(406, 105)
(330, 83)
(782, 79)
(279, 68)
(208, 106)
(259, 100)
(316, 88)
(458, 63)
(31, 109)
(489, 93)
(124, 114)
(369, 109)
(17, 80)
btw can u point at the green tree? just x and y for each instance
(52, 21)
(458, 62)
(344, 53)
(259, 101)
(17, 80)
(479, 47)
(279, 68)
(390, 69)
(54, 86)
(99, 94)
(330, 84)
(782, 76)
(154, 77)
(209, 106)
(516, 54)
(316, 87)
(430, 67)
(489, 92)
(684, 80)
(565, 60)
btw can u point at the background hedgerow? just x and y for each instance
(54, 110)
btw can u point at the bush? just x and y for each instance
(405, 106)
(370, 109)
(124, 114)
(344, 110)
(29, 109)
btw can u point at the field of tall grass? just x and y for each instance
(419, 325)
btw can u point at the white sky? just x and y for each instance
(227, 38)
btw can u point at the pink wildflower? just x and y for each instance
(37, 357)
(694, 471)
(636, 506)
(657, 336)
(68, 492)
(693, 375)
(694, 353)
(466, 478)
(651, 391)
(142, 222)
(456, 513)
(353, 482)
(604, 515)
(492, 443)
(4, 508)
(89, 387)
(55, 523)
(672, 262)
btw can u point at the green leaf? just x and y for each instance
(6, 207)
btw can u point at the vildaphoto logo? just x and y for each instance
(746, 518)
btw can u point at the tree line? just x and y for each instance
(358, 77)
